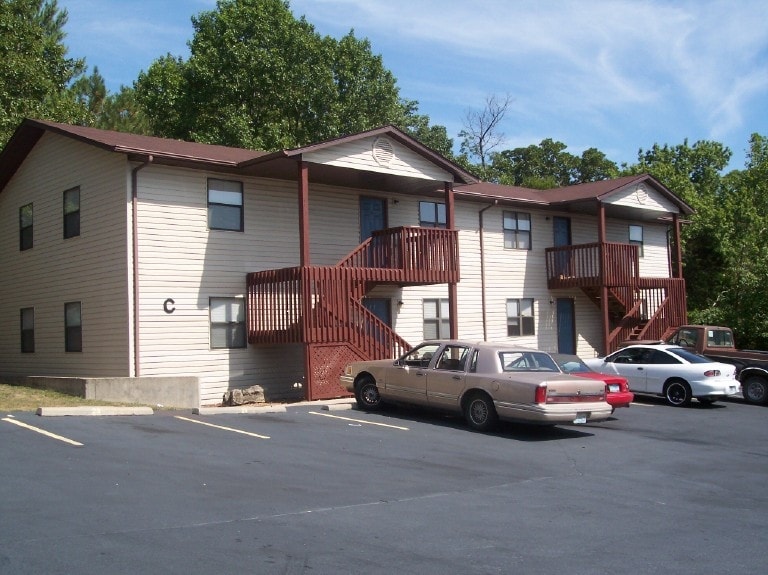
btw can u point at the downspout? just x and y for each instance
(135, 232)
(482, 267)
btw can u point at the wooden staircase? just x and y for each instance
(321, 306)
(638, 308)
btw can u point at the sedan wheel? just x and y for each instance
(678, 393)
(367, 394)
(480, 412)
(755, 389)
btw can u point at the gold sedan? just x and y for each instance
(486, 382)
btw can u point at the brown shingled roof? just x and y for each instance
(282, 164)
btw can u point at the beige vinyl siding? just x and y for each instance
(181, 259)
(655, 260)
(646, 199)
(359, 155)
(91, 268)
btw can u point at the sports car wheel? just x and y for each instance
(367, 394)
(755, 389)
(678, 393)
(480, 412)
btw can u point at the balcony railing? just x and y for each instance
(418, 255)
(591, 265)
(315, 305)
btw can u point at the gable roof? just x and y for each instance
(282, 165)
(576, 198)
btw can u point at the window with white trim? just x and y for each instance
(437, 321)
(520, 319)
(517, 231)
(432, 215)
(227, 322)
(636, 238)
(225, 205)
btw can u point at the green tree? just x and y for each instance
(542, 166)
(739, 221)
(35, 72)
(257, 77)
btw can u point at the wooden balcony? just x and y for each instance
(413, 256)
(592, 265)
(636, 307)
(321, 306)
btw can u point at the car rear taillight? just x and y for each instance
(712, 373)
(541, 394)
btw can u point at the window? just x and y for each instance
(520, 317)
(636, 238)
(227, 322)
(25, 227)
(72, 213)
(437, 323)
(420, 356)
(431, 215)
(225, 205)
(28, 330)
(453, 358)
(73, 327)
(517, 231)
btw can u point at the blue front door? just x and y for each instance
(562, 237)
(373, 216)
(566, 326)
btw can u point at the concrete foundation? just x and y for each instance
(181, 392)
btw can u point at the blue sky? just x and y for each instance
(616, 75)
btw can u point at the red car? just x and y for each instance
(617, 392)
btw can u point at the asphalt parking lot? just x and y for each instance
(309, 490)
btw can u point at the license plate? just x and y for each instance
(580, 418)
(613, 387)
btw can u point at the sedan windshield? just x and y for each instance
(688, 356)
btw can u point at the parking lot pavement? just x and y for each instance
(654, 490)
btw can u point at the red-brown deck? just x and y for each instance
(633, 307)
(321, 306)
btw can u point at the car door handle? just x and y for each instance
(420, 373)
(456, 377)
(640, 369)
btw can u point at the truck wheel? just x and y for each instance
(678, 393)
(755, 389)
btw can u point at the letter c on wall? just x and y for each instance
(168, 306)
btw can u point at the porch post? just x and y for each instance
(304, 262)
(450, 223)
(678, 247)
(303, 213)
(606, 323)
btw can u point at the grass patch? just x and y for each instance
(21, 398)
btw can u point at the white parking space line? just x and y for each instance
(43, 432)
(232, 429)
(359, 420)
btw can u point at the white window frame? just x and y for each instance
(225, 205)
(635, 234)
(521, 317)
(518, 234)
(436, 318)
(227, 323)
